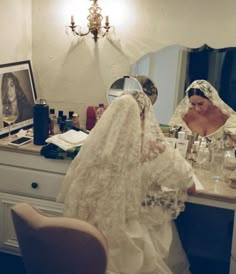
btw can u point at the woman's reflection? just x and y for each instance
(148, 87)
(202, 111)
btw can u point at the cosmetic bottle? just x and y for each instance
(54, 127)
(60, 114)
(182, 143)
(99, 111)
(68, 124)
(62, 124)
(75, 121)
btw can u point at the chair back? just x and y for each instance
(58, 245)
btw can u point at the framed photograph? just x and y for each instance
(17, 94)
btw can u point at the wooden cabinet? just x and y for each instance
(27, 177)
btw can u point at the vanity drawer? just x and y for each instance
(30, 182)
(37, 162)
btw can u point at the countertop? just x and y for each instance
(215, 190)
(29, 148)
(220, 191)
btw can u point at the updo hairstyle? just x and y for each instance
(198, 92)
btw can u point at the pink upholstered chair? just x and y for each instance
(58, 245)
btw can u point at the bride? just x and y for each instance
(202, 111)
(130, 184)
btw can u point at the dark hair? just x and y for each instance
(148, 87)
(19, 92)
(196, 91)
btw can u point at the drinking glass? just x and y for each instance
(216, 165)
(9, 116)
(203, 157)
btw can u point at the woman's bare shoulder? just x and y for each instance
(190, 116)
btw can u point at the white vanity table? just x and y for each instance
(26, 176)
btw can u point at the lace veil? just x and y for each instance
(210, 92)
(110, 177)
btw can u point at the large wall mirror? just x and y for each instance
(173, 68)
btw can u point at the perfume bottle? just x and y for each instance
(99, 111)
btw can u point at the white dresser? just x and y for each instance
(26, 176)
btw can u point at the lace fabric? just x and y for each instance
(124, 158)
(210, 92)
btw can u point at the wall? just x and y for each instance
(15, 29)
(72, 72)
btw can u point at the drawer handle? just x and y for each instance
(34, 185)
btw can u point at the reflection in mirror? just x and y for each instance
(148, 87)
(217, 66)
(211, 71)
(167, 69)
(121, 84)
(175, 67)
(203, 112)
(138, 82)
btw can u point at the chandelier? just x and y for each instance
(94, 23)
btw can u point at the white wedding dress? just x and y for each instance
(130, 184)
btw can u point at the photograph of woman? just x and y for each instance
(13, 94)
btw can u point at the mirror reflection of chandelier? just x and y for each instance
(94, 23)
